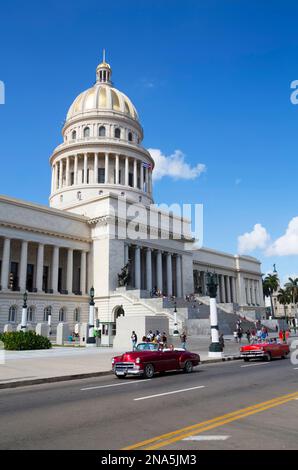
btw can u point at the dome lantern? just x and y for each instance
(104, 71)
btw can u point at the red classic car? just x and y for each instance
(266, 351)
(148, 359)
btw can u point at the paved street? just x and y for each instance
(107, 413)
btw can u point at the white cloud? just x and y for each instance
(287, 244)
(174, 166)
(250, 241)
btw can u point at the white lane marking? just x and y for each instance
(206, 438)
(256, 364)
(169, 393)
(115, 385)
(295, 368)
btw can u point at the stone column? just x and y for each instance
(252, 287)
(142, 176)
(146, 178)
(39, 267)
(5, 263)
(178, 276)
(106, 168)
(55, 269)
(85, 167)
(126, 247)
(135, 173)
(169, 275)
(60, 174)
(148, 270)
(137, 267)
(233, 280)
(228, 289)
(69, 273)
(23, 265)
(83, 272)
(222, 289)
(53, 179)
(95, 171)
(126, 171)
(159, 271)
(75, 170)
(117, 169)
(67, 172)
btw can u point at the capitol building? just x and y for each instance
(100, 174)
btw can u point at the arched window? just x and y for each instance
(12, 314)
(31, 314)
(87, 132)
(77, 315)
(46, 313)
(117, 133)
(62, 314)
(130, 136)
(74, 135)
(102, 131)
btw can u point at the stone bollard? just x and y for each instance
(63, 333)
(9, 327)
(84, 330)
(42, 329)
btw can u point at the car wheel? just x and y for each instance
(188, 367)
(148, 371)
(267, 357)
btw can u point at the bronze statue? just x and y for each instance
(124, 276)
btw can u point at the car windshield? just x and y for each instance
(147, 347)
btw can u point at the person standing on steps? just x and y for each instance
(183, 339)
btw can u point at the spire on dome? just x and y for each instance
(104, 71)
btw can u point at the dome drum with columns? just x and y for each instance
(102, 151)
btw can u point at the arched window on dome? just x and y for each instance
(87, 132)
(74, 135)
(117, 133)
(62, 315)
(130, 137)
(46, 313)
(102, 131)
(12, 314)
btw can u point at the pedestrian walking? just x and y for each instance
(248, 335)
(134, 340)
(239, 333)
(183, 340)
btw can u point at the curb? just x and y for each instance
(67, 378)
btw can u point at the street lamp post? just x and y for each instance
(215, 349)
(175, 331)
(24, 312)
(91, 341)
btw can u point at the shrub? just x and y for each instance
(22, 341)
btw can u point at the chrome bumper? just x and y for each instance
(252, 354)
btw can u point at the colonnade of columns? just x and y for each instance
(163, 270)
(39, 268)
(226, 292)
(83, 168)
(252, 291)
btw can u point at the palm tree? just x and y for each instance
(270, 285)
(284, 297)
(292, 286)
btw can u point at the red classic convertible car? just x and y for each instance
(265, 351)
(148, 359)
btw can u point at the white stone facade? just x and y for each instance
(99, 174)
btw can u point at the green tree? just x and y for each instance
(270, 285)
(292, 287)
(284, 297)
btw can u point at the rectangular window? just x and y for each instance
(82, 176)
(101, 175)
(88, 175)
(71, 178)
(130, 179)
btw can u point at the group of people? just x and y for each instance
(157, 338)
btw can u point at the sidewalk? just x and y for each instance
(66, 363)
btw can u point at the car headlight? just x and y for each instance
(138, 360)
(113, 361)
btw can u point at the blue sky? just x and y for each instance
(209, 78)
